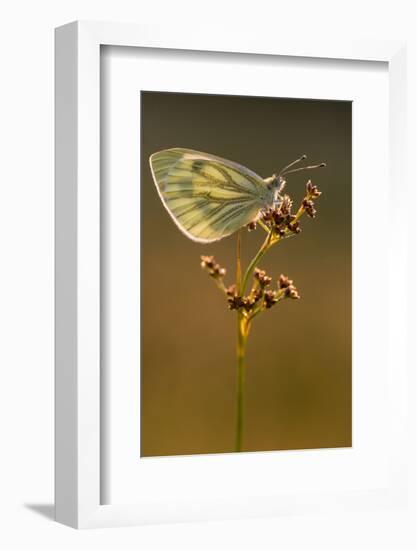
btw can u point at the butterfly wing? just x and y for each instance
(208, 197)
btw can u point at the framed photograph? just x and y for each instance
(230, 292)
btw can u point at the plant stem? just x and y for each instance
(255, 261)
(238, 264)
(244, 322)
(242, 334)
(243, 326)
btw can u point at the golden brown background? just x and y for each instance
(298, 377)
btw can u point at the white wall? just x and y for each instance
(26, 273)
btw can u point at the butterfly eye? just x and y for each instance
(271, 182)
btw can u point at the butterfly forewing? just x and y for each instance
(207, 196)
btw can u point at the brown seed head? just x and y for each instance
(262, 278)
(231, 290)
(284, 281)
(294, 227)
(312, 190)
(212, 267)
(267, 214)
(257, 295)
(285, 206)
(207, 261)
(270, 298)
(277, 217)
(235, 302)
(279, 231)
(248, 303)
(308, 206)
(292, 292)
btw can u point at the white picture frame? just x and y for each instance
(78, 405)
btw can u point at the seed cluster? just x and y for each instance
(245, 302)
(262, 278)
(308, 202)
(261, 297)
(280, 219)
(233, 299)
(286, 285)
(312, 190)
(212, 267)
(270, 298)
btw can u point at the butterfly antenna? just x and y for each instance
(322, 165)
(292, 164)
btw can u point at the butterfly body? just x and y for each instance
(209, 197)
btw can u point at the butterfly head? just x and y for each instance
(275, 183)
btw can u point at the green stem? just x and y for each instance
(242, 335)
(255, 261)
(238, 264)
(263, 225)
(244, 321)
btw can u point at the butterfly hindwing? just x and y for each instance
(207, 196)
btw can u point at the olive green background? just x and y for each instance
(298, 378)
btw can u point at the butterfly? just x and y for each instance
(209, 197)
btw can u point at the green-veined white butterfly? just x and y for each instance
(209, 197)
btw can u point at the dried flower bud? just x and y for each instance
(292, 292)
(294, 227)
(312, 190)
(235, 302)
(212, 267)
(277, 217)
(207, 261)
(279, 231)
(231, 290)
(270, 298)
(262, 278)
(287, 288)
(285, 206)
(251, 226)
(284, 281)
(267, 214)
(257, 295)
(308, 206)
(247, 303)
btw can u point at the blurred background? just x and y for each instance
(298, 374)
